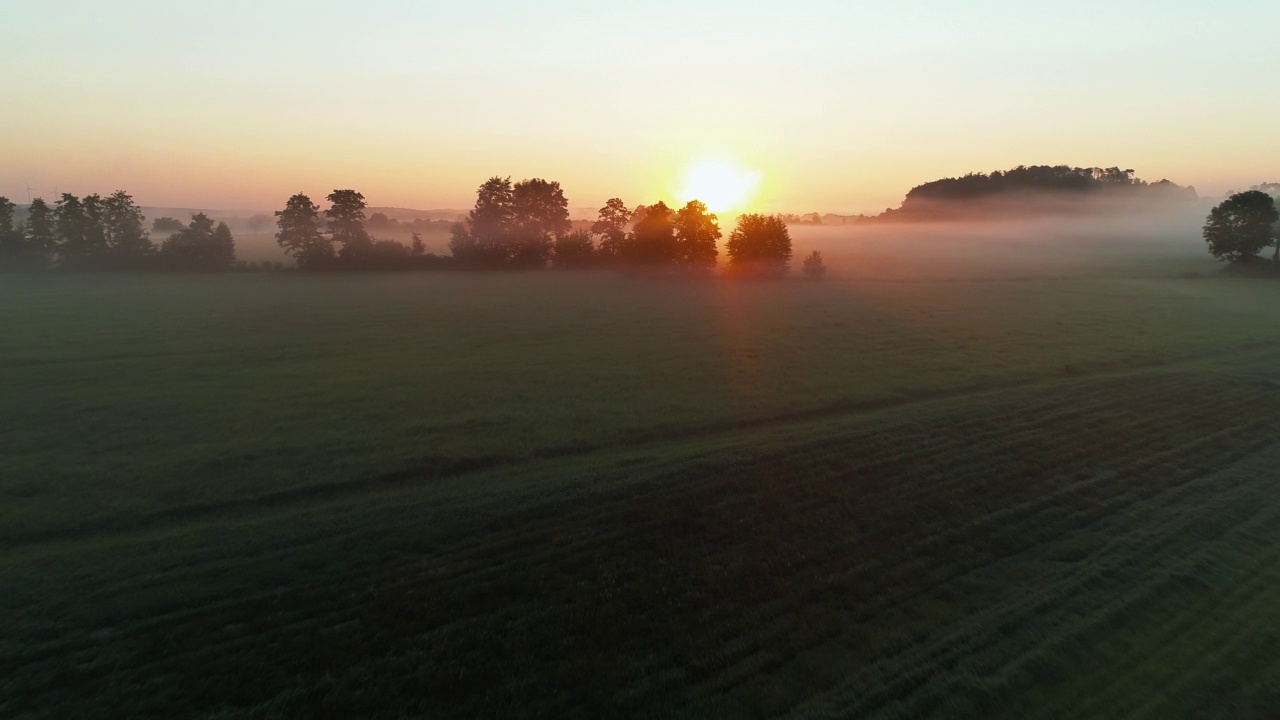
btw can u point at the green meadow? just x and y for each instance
(439, 495)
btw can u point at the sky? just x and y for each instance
(832, 106)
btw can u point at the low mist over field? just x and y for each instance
(699, 359)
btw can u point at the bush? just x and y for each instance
(813, 267)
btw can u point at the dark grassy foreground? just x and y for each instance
(503, 496)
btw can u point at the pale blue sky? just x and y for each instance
(841, 106)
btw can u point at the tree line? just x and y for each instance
(526, 225)
(97, 233)
(521, 225)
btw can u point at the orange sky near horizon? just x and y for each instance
(839, 107)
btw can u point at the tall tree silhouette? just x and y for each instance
(78, 242)
(653, 239)
(696, 233)
(481, 240)
(124, 229)
(346, 226)
(299, 233)
(611, 226)
(540, 213)
(12, 243)
(760, 244)
(41, 233)
(1241, 226)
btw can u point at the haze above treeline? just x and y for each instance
(1023, 191)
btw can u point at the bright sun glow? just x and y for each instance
(722, 186)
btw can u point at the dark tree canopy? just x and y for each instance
(653, 239)
(482, 240)
(540, 208)
(6, 214)
(199, 247)
(1028, 190)
(574, 250)
(696, 234)
(540, 214)
(77, 241)
(512, 225)
(493, 214)
(166, 225)
(611, 226)
(124, 227)
(299, 233)
(760, 244)
(99, 233)
(1241, 226)
(40, 236)
(346, 226)
(12, 243)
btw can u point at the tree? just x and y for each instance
(40, 234)
(166, 225)
(222, 248)
(491, 219)
(418, 249)
(258, 223)
(814, 268)
(380, 221)
(696, 233)
(540, 212)
(124, 228)
(299, 233)
(12, 243)
(760, 244)
(653, 239)
(346, 225)
(199, 247)
(612, 227)
(512, 225)
(78, 243)
(574, 250)
(1241, 226)
(481, 240)
(464, 247)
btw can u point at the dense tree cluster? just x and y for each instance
(106, 233)
(1026, 190)
(341, 241)
(200, 246)
(512, 225)
(526, 225)
(760, 245)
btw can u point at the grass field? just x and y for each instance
(540, 495)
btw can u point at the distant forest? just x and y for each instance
(1029, 190)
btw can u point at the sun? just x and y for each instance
(721, 185)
